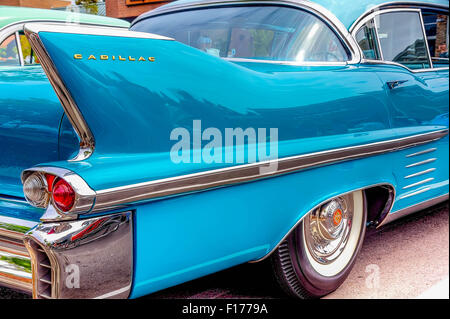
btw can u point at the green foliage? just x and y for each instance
(90, 5)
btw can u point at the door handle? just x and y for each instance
(393, 84)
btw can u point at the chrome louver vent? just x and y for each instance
(416, 170)
(43, 276)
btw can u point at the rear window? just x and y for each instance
(251, 32)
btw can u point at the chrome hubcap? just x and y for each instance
(327, 229)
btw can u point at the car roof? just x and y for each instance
(10, 15)
(346, 11)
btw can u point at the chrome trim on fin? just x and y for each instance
(87, 141)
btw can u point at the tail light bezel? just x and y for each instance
(84, 195)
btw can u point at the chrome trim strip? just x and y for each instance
(429, 150)
(413, 209)
(375, 24)
(374, 62)
(114, 293)
(421, 173)
(424, 33)
(287, 62)
(19, 48)
(388, 209)
(312, 7)
(179, 185)
(420, 191)
(13, 200)
(112, 197)
(430, 160)
(87, 141)
(90, 30)
(419, 183)
(18, 26)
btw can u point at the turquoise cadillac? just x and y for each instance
(214, 133)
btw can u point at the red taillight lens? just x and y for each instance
(63, 195)
(50, 179)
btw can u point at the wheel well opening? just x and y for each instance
(379, 203)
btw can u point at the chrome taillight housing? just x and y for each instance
(61, 192)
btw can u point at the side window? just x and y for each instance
(9, 53)
(436, 28)
(402, 39)
(29, 57)
(263, 33)
(367, 41)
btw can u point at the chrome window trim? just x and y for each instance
(424, 32)
(378, 38)
(19, 49)
(395, 4)
(323, 14)
(396, 7)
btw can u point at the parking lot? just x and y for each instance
(406, 259)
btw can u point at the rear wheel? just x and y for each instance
(318, 255)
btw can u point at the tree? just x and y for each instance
(89, 5)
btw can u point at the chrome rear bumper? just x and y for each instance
(15, 264)
(86, 258)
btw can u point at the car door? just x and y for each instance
(30, 112)
(395, 42)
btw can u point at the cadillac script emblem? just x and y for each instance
(104, 57)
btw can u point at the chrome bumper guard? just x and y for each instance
(87, 258)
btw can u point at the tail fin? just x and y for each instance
(130, 89)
